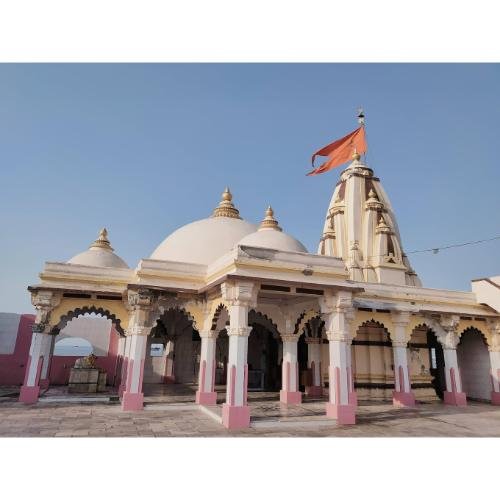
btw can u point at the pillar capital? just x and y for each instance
(243, 293)
(339, 336)
(289, 338)
(239, 331)
(313, 340)
(340, 301)
(138, 330)
(494, 342)
(400, 318)
(208, 334)
(399, 343)
(44, 301)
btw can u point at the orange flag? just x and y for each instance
(341, 151)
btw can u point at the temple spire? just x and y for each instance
(269, 222)
(102, 241)
(226, 207)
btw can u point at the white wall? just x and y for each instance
(488, 292)
(9, 324)
(474, 365)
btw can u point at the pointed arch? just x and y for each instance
(80, 311)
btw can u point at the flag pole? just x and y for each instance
(361, 121)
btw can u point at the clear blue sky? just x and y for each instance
(143, 149)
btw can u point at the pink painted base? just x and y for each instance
(403, 399)
(315, 391)
(235, 417)
(353, 398)
(206, 398)
(455, 398)
(44, 384)
(132, 401)
(28, 394)
(290, 398)
(345, 414)
(495, 398)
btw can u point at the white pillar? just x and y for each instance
(290, 393)
(206, 395)
(124, 370)
(39, 353)
(314, 364)
(169, 362)
(402, 394)
(239, 296)
(338, 311)
(45, 374)
(133, 397)
(494, 349)
(453, 394)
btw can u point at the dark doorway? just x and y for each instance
(264, 372)
(302, 355)
(436, 364)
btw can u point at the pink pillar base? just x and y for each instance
(132, 401)
(29, 394)
(206, 398)
(455, 398)
(290, 398)
(315, 391)
(121, 390)
(345, 414)
(169, 379)
(44, 384)
(353, 398)
(235, 417)
(495, 398)
(403, 399)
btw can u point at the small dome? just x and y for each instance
(204, 241)
(99, 254)
(271, 236)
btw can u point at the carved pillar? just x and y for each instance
(449, 339)
(240, 297)
(41, 345)
(314, 364)
(402, 395)
(47, 361)
(337, 309)
(290, 393)
(206, 395)
(124, 368)
(140, 304)
(494, 349)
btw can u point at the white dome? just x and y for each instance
(100, 254)
(275, 240)
(98, 257)
(203, 241)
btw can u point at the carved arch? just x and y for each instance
(257, 317)
(80, 311)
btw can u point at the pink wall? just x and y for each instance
(13, 366)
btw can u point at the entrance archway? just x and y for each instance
(474, 362)
(436, 363)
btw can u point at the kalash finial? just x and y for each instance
(356, 156)
(102, 241)
(226, 207)
(269, 222)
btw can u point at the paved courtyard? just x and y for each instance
(171, 412)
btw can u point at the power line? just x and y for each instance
(456, 245)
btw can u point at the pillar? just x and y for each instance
(338, 312)
(402, 394)
(206, 395)
(314, 365)
(495, 376)
(124, 367)
(169, 363)
(290, 393)
(353, 397)
(38, 356)
(239, 296)
(453, 394)
(133, 397)
(47, 361)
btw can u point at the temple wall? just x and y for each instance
(15, 341)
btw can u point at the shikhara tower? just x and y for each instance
(361, 228)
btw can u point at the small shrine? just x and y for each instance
(86, 377)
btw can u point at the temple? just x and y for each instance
(233, 306)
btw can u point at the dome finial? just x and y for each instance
(226, 207)
(356, 156)
(269, 222)
(102, 241)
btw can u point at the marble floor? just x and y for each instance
(170, 411)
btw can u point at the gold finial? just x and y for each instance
(226, 207)
(102, 241)
(372, 194)
(269, 222)
(356, 156)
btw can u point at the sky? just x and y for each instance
(143, 149)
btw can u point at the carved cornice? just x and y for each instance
(240, 294)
